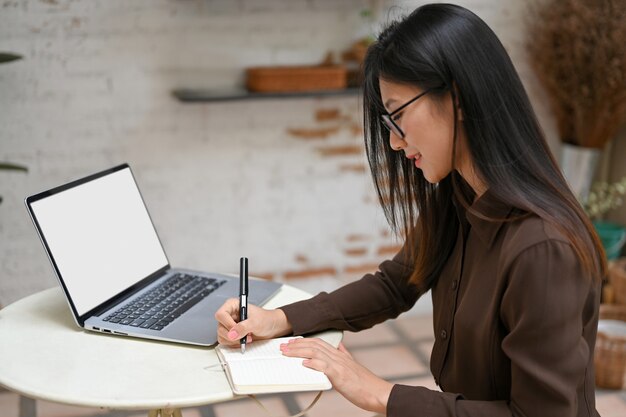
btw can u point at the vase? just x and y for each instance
(579, 167)
(613, 237)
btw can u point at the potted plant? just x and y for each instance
(578, 51)
(602, 198)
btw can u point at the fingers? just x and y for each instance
(224, 339)
(309, 348)
(319, 355)
(229, 332)
(239, 330)
(317, 364)
(227, 312)
(314, 343)
(261, 323)
(226, 316)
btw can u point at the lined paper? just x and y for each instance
(283, 371)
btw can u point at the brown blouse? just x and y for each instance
(514, 314)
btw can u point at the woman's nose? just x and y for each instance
(396, 142)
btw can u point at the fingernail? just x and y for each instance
(233, 334)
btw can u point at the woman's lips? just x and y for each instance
(417, 159)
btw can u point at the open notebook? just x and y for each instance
(264, 369)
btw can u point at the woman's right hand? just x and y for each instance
(260, 324)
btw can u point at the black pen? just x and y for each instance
(243, 296)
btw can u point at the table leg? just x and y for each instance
(165, 412)
(28, 407)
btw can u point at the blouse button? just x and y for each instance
(444, 334)
(454, 284)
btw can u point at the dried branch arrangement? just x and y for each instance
(578, 50)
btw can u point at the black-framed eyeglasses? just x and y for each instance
(388, 120)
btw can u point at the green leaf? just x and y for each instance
(8, 57)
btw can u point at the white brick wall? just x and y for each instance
(221, 180)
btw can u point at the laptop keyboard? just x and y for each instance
(166, 302)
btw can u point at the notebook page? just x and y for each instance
(256, 350)
(279, 371)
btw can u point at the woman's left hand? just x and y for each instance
(355, 382)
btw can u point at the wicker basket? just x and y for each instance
(301, 78)
(610, 351)
(617, 278)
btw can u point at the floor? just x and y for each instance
(408, 340)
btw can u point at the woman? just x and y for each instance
(463, 171)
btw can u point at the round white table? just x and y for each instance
(44, 355)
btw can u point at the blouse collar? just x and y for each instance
(486, 215)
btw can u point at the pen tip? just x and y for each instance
(243, 348)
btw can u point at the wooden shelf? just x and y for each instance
(189, 95)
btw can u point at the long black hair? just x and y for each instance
(448, 45)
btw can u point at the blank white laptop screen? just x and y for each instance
(101, 237)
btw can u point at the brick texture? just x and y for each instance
(221, 180)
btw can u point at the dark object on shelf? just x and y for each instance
(8, 57)
(11, 167)
(296, 78)
(208, 95)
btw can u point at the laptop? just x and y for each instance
(116, 277)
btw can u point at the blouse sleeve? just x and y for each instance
(542, 312)
(361, 304)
